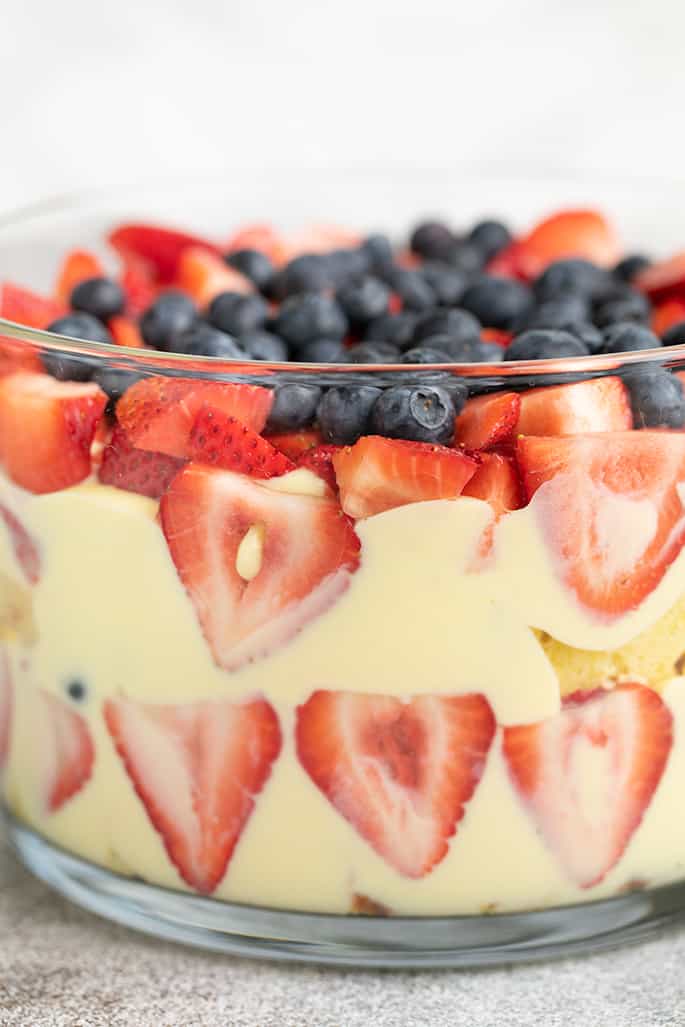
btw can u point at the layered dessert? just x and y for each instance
(287, 630)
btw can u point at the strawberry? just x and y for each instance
(295, 443)
(320, 239)
(28, 308)
(203, 275)
(138, 282)
(125, 332)
(6, 706)
(65, 745)
(320, 461)
(670, 312)
(136, 470)
(663, 280)
(598, 405)
(158, 413)
(46, 430)
(77, 266)
(508, 263)
(25, 547)
(587, 775)
(497, 335)
(222, 441)
(302, 555)
(264, 238)
(377, 474)
(487, 420)
(17, 356)
(609, 510)
(197, 769)
(400, 771)
(160, 248)
(569, 233)
(497, 482)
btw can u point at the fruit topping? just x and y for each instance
(136, 470)
(26, 549)
(220, 440)
(664, 279)
(160, 248)
(419, 413)
(65, 749)
(598, 405)
(203, 275)
(569, 233)
(77, 266)
(344, 413)
(320, 461)
(487, 421)
(294, 444)
(497, 482)
(101, 297)
(27, 307)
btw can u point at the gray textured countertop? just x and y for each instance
(61, 967)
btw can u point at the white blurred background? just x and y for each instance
(97, 93)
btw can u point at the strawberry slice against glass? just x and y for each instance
(400, 771)
(294, 444)
(487, 421)
(65, 747)
(27, 307)
(6, 706)
(220, 440)
(136, 470)
(619, 740)
(258, 564)
(497, 482)
(26, 548)
(159, 247)
(599, 405)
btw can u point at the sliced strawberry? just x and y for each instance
(599, 405)
(663, 280)
(27, 307)
(610, 511)
(252, 598)
(222, 441)
(46, 430)
(569, 233)
(6, 707)
(139, 284)
(160, 248)
(75, 268)
(17, 356)
(159, 413)
(25, 547)
(377, 474)
(65, 747)
(670, 312)
(395, 303)
(320, 239)
(125, 332)
(496, 335)
(203, 275)
(136, 470)
(295, 443)
(197, 769)
(320, 461)
(587, 775)
(509, 262)
(497, 482)
(399, 770)
(487, 420)
(264, 238)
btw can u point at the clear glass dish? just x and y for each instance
(456, 743)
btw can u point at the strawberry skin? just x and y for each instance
(159, 413)
(307, 552)
(621, 737)
(609, 510)
(76, 267)
(377, 474)
(6, 705)
(67, 750)
(599, 405)
(160, 248)
(320, 461)
(203, 275)
(399, 771)
(670, 312)
(197, 769)
(46, 430)
(663, 280)
(295, 443)
(28, 308)
(136, 470)
(125, 332)
(138, 281)
(220, 440)
(25, 547)
(264, 238)
(497, 482)
(569, 233)
(487, 421)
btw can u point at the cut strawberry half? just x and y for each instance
(496, 335)
(295, 443)
(377, 474)
(570, 233)
(497, 482)
(400, 771)
(220, 440)
(487, 420)
(159, 413)
(6, 706)
(599, 405)
(136, 470)
(160, 248)
(27, 307)
(509, 263)
(46, 430)
(125, 332)
(663, 280)
(610, 510)
(139, 284)
(258, 564)
(77, 266)
(587, 775)
(65, 747)
(197, 769)
(320, 461)
(670, 312)
(320, 239)
(17, 356)
(264, 238)
(25, 547)
(203, 275)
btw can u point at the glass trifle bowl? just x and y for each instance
(376, 663)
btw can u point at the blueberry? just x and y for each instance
(254, 264)
(114, 380)
(459, 324)
(374, 353)
(307, 273)
(426, 355)
(101, 297)
(571, 275)
(76, 690)
(559, 312)
(261, 345)
(81, 326)
(71, 367)
(415, 291)
(622, 338)
(347, 265)
(431, 239)
(587, 333)
(545, 343)
(465, 351)
(628, 268)
(322, 351)
(631, 307)
(364, 300)
(456, 388)
(489, 237)
(170, 315)
(448, 283)
(235, 313)
(203, 340)
(294, 407)
(466, 256)
(343, 413)
(421, 413)
(310, 316)
(675, 335)
(498, 302)
(378, 252)
(656, 397)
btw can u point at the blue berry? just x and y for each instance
(431, 239)
(347, 265)
(466, 257)
(559, 312)
(413, 288)
(628, 268)
(76, 690)
(235, 314)
(307, 273)
(421, 413)
(675, 335)
(101, 297)
(378, 252)
(168, 317)
(294, 407)
(426, 354)
(448, 283)
(322, 351)
(364, 300)
(114, 380)
(489, 237)
(373, 353)
(254, 264)
(544, 344)
(262, 345)
(498, 302)
(656, 397)
(465, 351)
(344, 411)
(625, 337)
(572, 275)
(587, 333)
(71, 367)
(202, 340)
(310, 316)
(459, 324)
(397, 329)
(632, 306)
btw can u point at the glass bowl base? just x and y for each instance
(361, 941)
